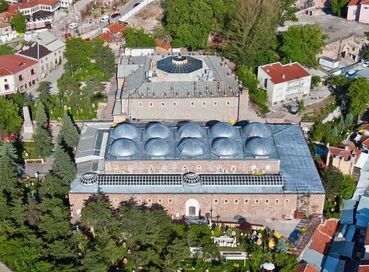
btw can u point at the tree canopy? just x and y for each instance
(251, 35)
(358, 93)
(18, 22)
(137, 38)
(302, 43)
(337, 6)
(10, 119)
(4, 48)
(3, 5)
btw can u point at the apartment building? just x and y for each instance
(284, 83)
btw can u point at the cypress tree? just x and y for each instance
(63, 165)
(42, 141)
(40, 115)
(69, 133)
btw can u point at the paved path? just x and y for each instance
(4, 268)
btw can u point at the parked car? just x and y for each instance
(351, 73)
(105, 19)
(73, 26)
(365, 63)
(114, 15)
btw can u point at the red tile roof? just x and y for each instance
(116, 28)
(364, 266)
(306, 268)
(282, 73)
(114, 33)
(105, 37)
(346, 152)
(163, 44)
(357, 2)
(322, 237)
(11, 11)
(14, 63)
(31, 3)
(4, 72)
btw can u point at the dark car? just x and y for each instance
(114, 15)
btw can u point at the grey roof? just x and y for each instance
(138, 71)
(313, 257)
(296, 165)
(35, 51)
(157, 130)
(191, 130)
(224, 147)
(260, 146)
(123, 148)
(179, 64)
(125, 130)
(222, 129)
(256, 130)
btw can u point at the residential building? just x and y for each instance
(358, 10)
(217, 171)
(48, 61)
(50, 41)
(113, 35)
(6, 32)
(37, 9)
(344, 157)
(193, 87)
(17, 73)
(303, 5)
(284, 83)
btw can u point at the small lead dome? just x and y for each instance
(224, 147)
(191, 147)
(191, 130)
(157, 130)
(125, 130)
(256, 129)
(123, 148)
(222, 129)
(157, 147)
(260, 146)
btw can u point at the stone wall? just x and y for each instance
(278, 206)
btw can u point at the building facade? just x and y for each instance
(189, 87)
(284, 83)
(358, 10)
(216, 171)
(343, 158)
(18, 73)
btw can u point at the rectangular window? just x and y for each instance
(20, 77)
(6, 87)
(32, 71)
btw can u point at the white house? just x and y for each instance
(284, 83)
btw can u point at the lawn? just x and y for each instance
(29, 151)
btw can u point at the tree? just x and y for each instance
(302, 43)
(69, 132)
(337, 184)
(42, 140)
(40, 115)
(10, 120)
(358, 93)
(78, 53)
(190, 22)
(138, 38)
(18, 22)
(8, 150)
(287, 11)
(8, 177)
(63, 167)
(5, 49)
(104, 58)
(315, 81)
(44, 94)
(251, 38)
(337, 6)
(3, 6)
(53, 186)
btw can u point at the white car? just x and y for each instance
(73, 26)
(104, 19)
(365, 63)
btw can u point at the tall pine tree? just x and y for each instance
(69, 133)
(42, 140)
(63, 166)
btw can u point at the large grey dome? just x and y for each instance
(125, 130)
(123, 148)
(224, 147)
(191, 147)
(260, 146)
(157, 147)
(157, 130)
(222, 129)
(256, 130)
(191, 130)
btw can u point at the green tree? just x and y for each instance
(315, 81)
(138, 38)
(10, 120)
(302, 43)
(104, 58)
(69, 132)
(18, 22)
(63, 167)
(53, 186)
(5, 49)
(358, 93)
(251, 38)
(287, 11)
(42, 141)
(337, 6)
(3, 6)
(44, 94)
(40, 115)
(78, 53)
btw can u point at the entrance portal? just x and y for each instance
(192, 207)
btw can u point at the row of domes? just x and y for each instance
(190, 130)
(192, 147)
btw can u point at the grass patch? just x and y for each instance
(29, 151)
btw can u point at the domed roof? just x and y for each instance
(157, 130)
(191, 130)
(191, 147)
(260, 146)
(224, 147)
(123, 148)
(222, 129)
(125, 130)
(256, 129)
(157, 147)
